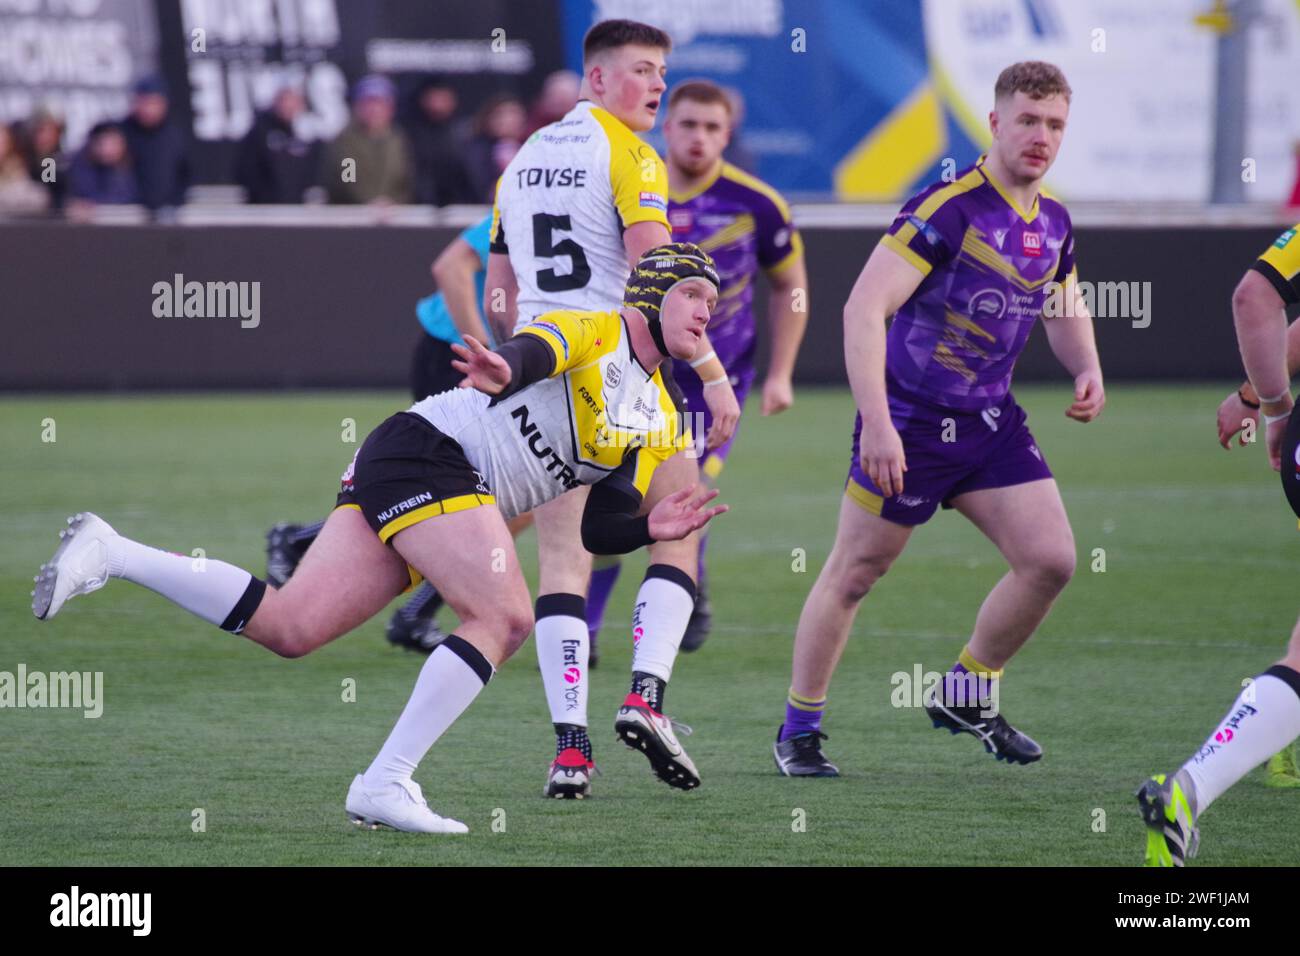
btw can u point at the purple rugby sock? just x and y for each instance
(598, 592)
(798, 720)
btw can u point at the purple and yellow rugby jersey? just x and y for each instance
(745, 225)
(987, 266)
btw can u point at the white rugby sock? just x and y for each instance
(212, 590)
(663, 609)
(1264, 719)
(448, 683)
(563, 647)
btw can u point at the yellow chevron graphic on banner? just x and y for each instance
(975, 127)
(890, 158)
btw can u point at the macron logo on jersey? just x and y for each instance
(654, 201)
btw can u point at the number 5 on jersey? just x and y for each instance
(545, 225)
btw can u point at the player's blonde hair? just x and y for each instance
(1034, 78)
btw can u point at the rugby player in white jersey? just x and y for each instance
(1264, 720)
(578, 204)
(428, 495)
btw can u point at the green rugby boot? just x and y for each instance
(1172, 836)
(1282, 772)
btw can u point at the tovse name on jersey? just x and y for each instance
(530, 431)
(102, 909)
(541, 176)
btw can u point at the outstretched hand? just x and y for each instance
(483, 369)
(677, 515)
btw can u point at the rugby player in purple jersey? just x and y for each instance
(966, 270)
(745, 225)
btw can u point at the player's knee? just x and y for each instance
(508, 619)
(295, 640)
(1052, 571)
(294, 637)
(857, 577)
(516, 625)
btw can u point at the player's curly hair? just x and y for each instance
(1034, 78)
(611, 34)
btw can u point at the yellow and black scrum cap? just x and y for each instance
(661, 268)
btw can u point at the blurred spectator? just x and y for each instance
(498, 134)
(102, 172)
(273, 164)
(45, 142)
(1294, 201)
(559, 95)
(737, 153)
(19, 193)
(157, 147)
(381, 169)
(440, 177)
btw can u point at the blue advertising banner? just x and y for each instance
(837, 93)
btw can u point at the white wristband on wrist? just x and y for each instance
(700, 361)
(1270, 419)
(1275, 398)
(720, 380)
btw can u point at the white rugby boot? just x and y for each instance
(79, 565)
(400, 806)
(644, 729)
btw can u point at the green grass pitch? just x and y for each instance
(1127, 676)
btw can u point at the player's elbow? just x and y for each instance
(607, 533)
(593, 538)
(860, 314)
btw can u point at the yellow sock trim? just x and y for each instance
(975, 667)
(805, 703)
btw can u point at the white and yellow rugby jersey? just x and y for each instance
(1280, 265)
(597, 407)
(562, 205)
